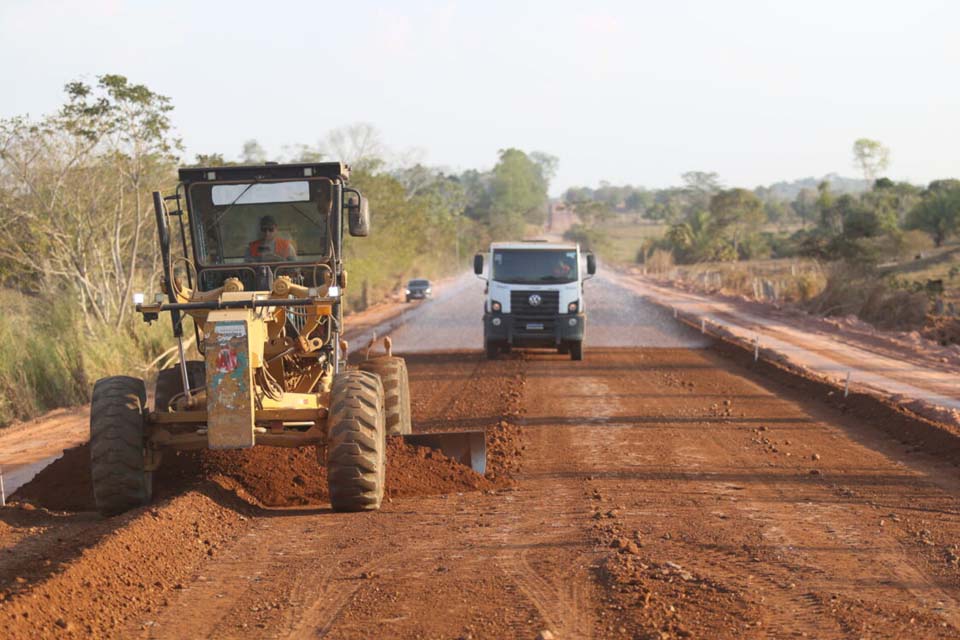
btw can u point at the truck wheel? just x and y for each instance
(170, 383)
(492, 350)
(563, 349)
(356, 442)
(396, 391)
(576, 350)
(117, 443)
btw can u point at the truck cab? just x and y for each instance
(534, 296)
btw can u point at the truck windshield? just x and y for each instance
(261, 221)
(534, 266)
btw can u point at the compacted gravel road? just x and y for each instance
(660, 488)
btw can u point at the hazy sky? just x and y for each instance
(635, 92)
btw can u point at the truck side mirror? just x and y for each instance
(358, 215)
(478, 264)
(591, 264)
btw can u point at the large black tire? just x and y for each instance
(396, 391)
(576, 350)
(492, 349)
(356, 442)
(170, 383)
(117, 444)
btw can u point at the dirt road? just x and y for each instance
(654, 490)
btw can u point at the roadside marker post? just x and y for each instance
(703, 325)
(3, 493)
(756, 348)
(674, 313)
(846, 385)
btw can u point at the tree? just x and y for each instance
(737, 214)
(698, 186)
(698, 239)
(805, 205)
(209, 160)
(360, 145)
(701, 182)
(78, 183)
(303, 153)
(253, 153)
(548, 165)
(829, 221)
(871, 157)
(518, 194)
(938, 212)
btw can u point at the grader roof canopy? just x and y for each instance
(331, 170)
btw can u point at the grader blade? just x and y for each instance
(466, 447)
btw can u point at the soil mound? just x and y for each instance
(269, 476)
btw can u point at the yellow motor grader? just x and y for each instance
(261, 277)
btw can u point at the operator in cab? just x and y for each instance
(270, 247)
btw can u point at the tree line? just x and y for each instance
(75, 199)
(866, 220)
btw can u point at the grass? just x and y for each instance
(625, 239)
(48, 359)
(942, 263)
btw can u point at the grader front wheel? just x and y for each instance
(117, 440)
(357, 442)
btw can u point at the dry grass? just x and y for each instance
(786, 280)
(852, 291)
(48, 359)
(625, 240)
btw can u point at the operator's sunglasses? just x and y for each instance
(268, 228)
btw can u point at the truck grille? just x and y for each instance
(549, 304)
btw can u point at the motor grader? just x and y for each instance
(261, 277)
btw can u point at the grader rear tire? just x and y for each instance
(170, 383)
(357, 442)
(117, 445)
(396, 391)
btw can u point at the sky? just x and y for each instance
(627, 92)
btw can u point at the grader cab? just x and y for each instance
(261, 276)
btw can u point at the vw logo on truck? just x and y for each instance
(534, 296)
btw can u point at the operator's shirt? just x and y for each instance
(278, 247)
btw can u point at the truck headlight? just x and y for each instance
(495, 306)
(573, 307)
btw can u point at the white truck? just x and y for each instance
(534, 296)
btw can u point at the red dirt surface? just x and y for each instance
(647, 493)
(64, 571)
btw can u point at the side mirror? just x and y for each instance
(591, 264)
(478, 264)
(358, 214)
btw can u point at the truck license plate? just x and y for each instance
(534, 326)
